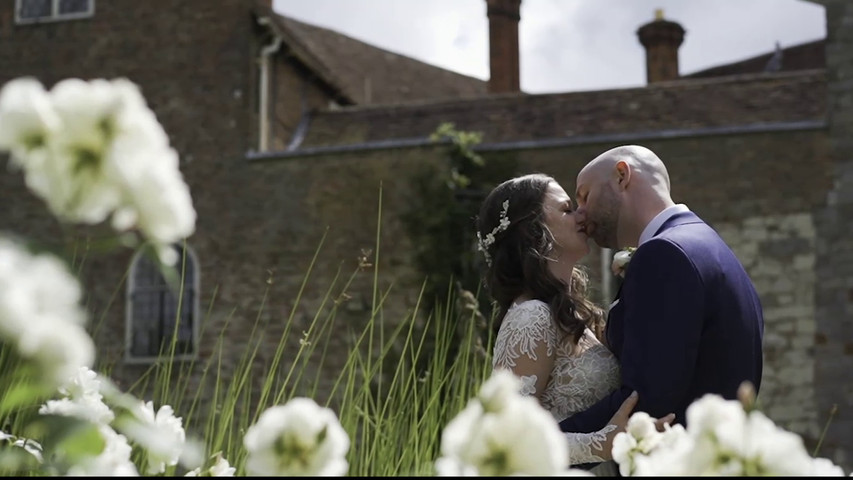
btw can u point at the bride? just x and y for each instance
(550, 334)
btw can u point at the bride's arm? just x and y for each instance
(525, 346)
(597, 446)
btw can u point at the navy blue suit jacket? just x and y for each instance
(687, 322)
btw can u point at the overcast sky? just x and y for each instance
(567, 45)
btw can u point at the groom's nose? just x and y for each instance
(580, 218)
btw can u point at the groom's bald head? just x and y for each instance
(643, 162)
(619, 192)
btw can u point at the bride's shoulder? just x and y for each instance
(529, 304)
(527, 311)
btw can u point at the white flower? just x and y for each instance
(220, 468)
(113, 461)
(298, 438)
(500, 391)
(93, 149)
(60, 347)
(161, 434)
(621, 260)
(27, 119)
(668, 456)
(89, 408)
(639, 440)
(40, 312)
(502, 432)
(721, 440)
(823, 467)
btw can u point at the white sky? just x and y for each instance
(567, 45)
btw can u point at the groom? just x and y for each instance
(687, 320)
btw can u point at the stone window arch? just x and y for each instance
(162, 315)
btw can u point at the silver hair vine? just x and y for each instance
(483, 243)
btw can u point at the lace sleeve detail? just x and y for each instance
(526, 345)
(588, 447)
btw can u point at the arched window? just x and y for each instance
(162, 315)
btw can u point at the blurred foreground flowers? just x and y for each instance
(92, 150)
(722, 438)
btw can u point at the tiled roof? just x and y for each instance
(680, 104)
(805, 56)
(365, 74)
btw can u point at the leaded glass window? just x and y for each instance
(162, 315)
(34, 11)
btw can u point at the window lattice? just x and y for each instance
(34, 11)
(160, 312)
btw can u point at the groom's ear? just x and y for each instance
(623, 174)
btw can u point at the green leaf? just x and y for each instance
(22, 394)
(68, 437)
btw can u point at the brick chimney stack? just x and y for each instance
(661, 38)
(504, 16)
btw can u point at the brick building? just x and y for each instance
(286, 132)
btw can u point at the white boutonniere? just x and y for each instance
(621, 260)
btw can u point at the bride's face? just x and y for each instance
(561, 220)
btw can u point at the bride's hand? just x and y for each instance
(620, 420)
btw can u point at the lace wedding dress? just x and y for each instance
(566, 378)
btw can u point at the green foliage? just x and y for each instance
(441, 221)
(397, 390)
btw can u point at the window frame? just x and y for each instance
(192, 261)
(54, 16)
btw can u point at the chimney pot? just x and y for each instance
(504, 16)
(661, 39)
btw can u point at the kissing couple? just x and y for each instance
(685, 322)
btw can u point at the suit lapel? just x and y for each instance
(617, 309)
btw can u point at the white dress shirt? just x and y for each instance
(659, 220)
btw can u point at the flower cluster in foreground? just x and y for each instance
(40, 313)
(297, 439)
(722, 438)
(94, 150)
(502, 432)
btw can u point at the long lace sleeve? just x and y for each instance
(588, 447)
(526, 345)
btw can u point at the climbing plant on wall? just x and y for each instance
(441, 222)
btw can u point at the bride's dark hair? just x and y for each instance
(518, 257)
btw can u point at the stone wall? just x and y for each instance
(779, 253)
(834, 264)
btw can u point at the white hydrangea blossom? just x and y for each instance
(502, 432)
(220, 468)
(93, 149)
(86, 408)
(159, 433)
(299, 438)
(722, 439)
(82, 399)
(27, 120)
(40, 312)
(639, 438)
